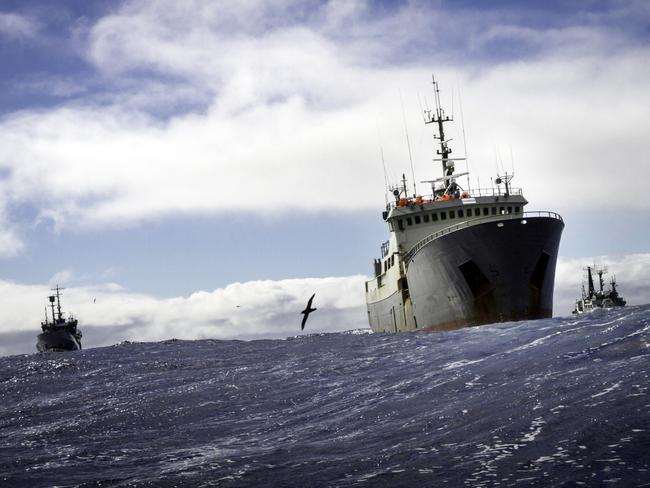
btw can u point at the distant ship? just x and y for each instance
(592, 299)
(461, 257)
(60, 334)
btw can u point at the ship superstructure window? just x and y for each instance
(417, 219)
(502, 210)
(469, 212)
(425, 218)
(409, 221)
(452, 214)
(486, 211)
(434, 217)
(460, 214)
(400, 224)
(516, 209)
(494, 210)
(509, 210)
(443, 215)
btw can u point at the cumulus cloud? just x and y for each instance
(251, 310)
(291, 103)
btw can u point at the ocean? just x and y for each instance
(560, 402)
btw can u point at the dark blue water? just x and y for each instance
(558, 402)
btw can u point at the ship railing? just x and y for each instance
(494, 192)
(479, 192)
(470, 223)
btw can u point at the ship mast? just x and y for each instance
(52, 298)
(58, 304)
(439, 118)
(590, 282)
(600, 272)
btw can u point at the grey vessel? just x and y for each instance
(461, 257)
(593, 299)
(61, 334)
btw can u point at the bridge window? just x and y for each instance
(452, 214)
(460, 214)
(509, 210)
(486, 211)
(516, 209)
(443, 215)
(494, 210)
(469, 212)
(425, 218)
(417, 219)
(409, 221)
(434, 217)
(502, 210)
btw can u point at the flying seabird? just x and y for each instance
(307, 311)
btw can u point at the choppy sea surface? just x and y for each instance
(557, 402)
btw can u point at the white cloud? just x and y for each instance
(17, 26)
(10, 242)
(296, 99)
(62, 278)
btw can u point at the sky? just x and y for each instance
(198, 169)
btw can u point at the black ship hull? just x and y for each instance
(493, 272)
(57, 340)
(497, 271)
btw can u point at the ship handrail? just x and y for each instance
(478, 192)
(470, 223)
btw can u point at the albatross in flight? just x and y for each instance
(307, 311)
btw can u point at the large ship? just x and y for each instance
(461, 257)
(61, 334)
(593, 299)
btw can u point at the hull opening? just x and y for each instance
(478, 283)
